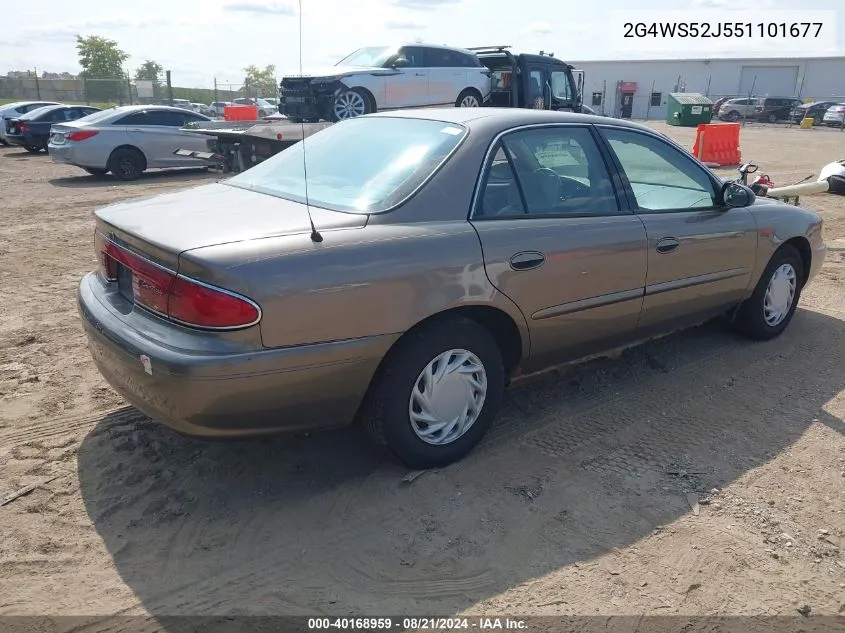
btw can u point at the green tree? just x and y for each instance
(260, 81)
(102, 67)
(151, 71)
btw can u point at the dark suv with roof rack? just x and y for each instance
(525, 80)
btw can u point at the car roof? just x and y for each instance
(506, 117)
(48, 108)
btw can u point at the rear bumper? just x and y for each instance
(17, 139)
(70, 154)
(208, 393)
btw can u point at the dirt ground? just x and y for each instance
(580, 501)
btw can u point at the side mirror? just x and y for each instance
(735, 195)
(400, 62)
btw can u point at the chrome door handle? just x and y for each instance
(667, 245)
(420, 74)
(527, 260)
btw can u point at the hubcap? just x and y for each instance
(349, 104)
(780, 294)
(447, 397)
(469, 101)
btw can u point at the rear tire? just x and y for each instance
(126, 164)
(470, 391)
(769, 310)
(32, 149)
(733, 116)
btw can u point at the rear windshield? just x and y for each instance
(98, 116)
(360, 165)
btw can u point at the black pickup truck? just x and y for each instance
(525, 80)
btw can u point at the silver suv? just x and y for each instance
(736, 109)
(377, 78)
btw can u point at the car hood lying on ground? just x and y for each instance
(218, 214)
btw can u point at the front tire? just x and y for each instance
(126, 164)
(95, 171)
(733, 116)
(437, 393)
(351, 103)
(769, 310)
(469, 98)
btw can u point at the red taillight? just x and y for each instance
(81, 135)
(107, 266)
(23, 127)
(197, 304)
(178, 298)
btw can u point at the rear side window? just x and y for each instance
(360, 165)
(152, 117)
(445, 58)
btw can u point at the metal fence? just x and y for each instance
(113, 91)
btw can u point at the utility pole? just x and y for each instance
(215, 90)
(169, 89)
(37, 85)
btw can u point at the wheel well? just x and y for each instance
(803, 247)
(475, 91)
(502, 327)
(367, 95)
(131, 148)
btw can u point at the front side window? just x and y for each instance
(560, 85)
(360, 165)
(415, 55)
(661, 176)
(555, 171)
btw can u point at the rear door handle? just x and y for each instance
(527, 260)
(667, 245)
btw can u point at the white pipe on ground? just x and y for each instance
(806, 189)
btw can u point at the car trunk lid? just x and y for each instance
(162, 227)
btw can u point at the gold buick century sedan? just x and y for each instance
(400, 269)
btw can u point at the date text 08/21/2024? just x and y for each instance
(415, 623)
(761, 30)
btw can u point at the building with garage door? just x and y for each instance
(639, 88)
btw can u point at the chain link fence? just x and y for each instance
(105, 92)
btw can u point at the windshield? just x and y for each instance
(360, 165)
(369, 56)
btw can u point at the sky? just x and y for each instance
(200, 40)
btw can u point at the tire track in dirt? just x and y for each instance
(39, 429)
(647, 445)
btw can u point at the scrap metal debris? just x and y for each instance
(20, 492)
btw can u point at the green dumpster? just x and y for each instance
(688, 109)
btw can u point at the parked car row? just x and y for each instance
(16, 109)
(266, 107)
(773, 109)
(32, 129)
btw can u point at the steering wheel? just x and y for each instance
(551, 172)
(570, 188)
